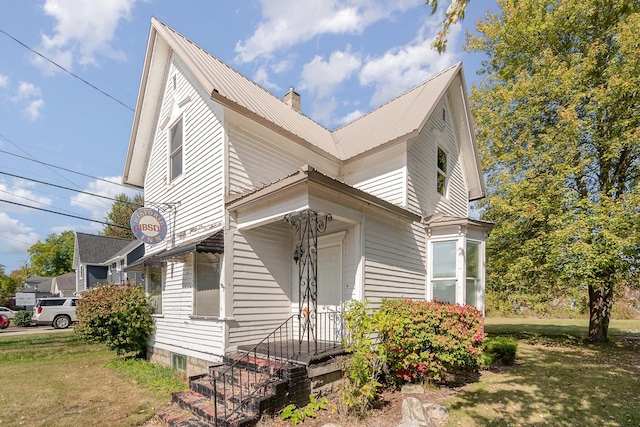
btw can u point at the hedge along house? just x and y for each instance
(273, 217)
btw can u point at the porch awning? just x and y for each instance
(212, 243)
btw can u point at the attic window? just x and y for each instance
(175, 150)
(174, 80)
(441, 184)
(444, 115)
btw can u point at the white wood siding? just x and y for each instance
(198, 192)
(422, 195)
(382, 174)
(255, 162)
(176, 331)
(395, 260)
(197, 195)
(262, 277)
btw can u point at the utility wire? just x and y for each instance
(66, 188)
(65, 70)
(64, 214)
(36, 160)
(60, 167)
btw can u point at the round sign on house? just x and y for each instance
(148, 225)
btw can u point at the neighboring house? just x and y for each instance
(64, 286)
(272, 216)
(101, 259)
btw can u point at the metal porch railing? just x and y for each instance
(251, 374)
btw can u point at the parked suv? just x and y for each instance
(59, 312)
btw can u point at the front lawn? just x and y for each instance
(557, 379)
(60, 380)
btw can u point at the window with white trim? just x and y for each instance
(207, 284)
(441, 183)
(175, 150)
(473, 285)
(443, 279)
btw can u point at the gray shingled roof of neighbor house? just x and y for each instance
(94, 249)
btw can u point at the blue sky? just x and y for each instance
(344, 58)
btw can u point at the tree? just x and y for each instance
(8, 286)
(120, 215)
(558, 121)
(453, 14)
(53, 257)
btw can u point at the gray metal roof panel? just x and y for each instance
(396, 119)
(217, 76)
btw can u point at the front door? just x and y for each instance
(329, 300)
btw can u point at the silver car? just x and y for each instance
(7, 312)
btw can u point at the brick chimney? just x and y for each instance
(292, 99)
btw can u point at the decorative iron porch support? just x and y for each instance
(307, 224)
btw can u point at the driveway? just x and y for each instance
(20, 330)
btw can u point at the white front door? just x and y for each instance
(329, 300)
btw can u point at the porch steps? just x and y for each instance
(253, 386)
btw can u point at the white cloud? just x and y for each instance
(29, 97)
(288, 23)
(27, 91)
(16, 237)
(324, 76)
(17, 193)
(262, 78)
(83, 30)
(350, 117)
(4, 80)
(97, 206)
(33, 109)
(401, 68)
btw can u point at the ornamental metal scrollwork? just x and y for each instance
(307, 224)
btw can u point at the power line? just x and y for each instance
(15, 240)
(59, 167)
(65, 70)
(64, 214)
(67, 188)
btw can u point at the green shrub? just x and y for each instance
(119, 316)
(23, 318)
(500, 350)
(362, 368)
(428, 339)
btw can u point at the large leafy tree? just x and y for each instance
(54, 256)
(558, 120)
(120, 216)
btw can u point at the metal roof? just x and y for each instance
(396, 119)
(222, 81)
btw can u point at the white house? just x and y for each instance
(272, 216)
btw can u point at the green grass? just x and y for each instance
(60, 380)
(557, 380)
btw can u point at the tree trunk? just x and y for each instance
(600, 307)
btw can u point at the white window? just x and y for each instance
(443, 279)
(474, 287)
(154, 283)
(175, 150)
(207, 286)
(442, 180)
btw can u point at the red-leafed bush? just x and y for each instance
(117, 315)
(422, 339)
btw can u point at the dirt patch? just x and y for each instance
(387, 413)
